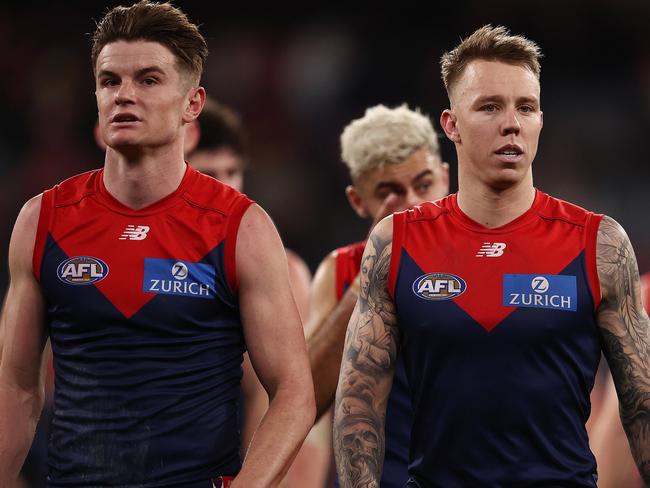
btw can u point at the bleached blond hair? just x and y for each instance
(385, 136)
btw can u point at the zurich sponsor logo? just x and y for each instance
(557, 292)
(82, 270)
(172, 277)
(439, 286)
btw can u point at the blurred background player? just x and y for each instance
(393, 158)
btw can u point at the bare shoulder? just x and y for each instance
(255, 218)
(257, 235)
(29, 213)
(326, 271)
(615, 259)
(21, 246)
(383, 230)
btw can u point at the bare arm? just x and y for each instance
(22, 366)
(256, 400)
(277, 350)
(367, 370)
(625, 330)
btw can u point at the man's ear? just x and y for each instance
(195, 104)
(448, 122)
(356, 202)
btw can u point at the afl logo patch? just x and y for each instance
(82, 270)
(439, 286)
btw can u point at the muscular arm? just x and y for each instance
(625, 330)
(276, 347)
(367, 370)
(256, 401)
(22, 364)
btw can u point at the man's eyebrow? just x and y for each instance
(391, 184)
(422, 174)
(529, 100)
(489, 98)
(150, 69)
(500, 99)
(140, 72)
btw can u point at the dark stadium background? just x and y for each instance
(298, 75)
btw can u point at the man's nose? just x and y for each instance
(510, 123)
(125, 93)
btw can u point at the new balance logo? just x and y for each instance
(133, 233)
(491, 250)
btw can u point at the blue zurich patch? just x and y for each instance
(173, 277)
(558, 292)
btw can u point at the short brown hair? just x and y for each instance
(156, 22)
(490, 44)
(221, 127)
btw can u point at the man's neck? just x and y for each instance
(492, 207)
(139, 180)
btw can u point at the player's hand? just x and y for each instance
(392, 203)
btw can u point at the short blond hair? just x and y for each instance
(385, 136)
(490, 44)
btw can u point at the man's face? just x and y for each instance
(141, 96)
(496, 110)
(420, 177)
(223, 164)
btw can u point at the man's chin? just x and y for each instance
(506, 179)
(122, 143)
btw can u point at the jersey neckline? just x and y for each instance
(163, 204)
(529, 215)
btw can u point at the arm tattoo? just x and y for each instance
(625, 330)
(366, 373)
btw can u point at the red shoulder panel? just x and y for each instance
(348, 261)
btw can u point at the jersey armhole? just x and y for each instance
(399, 228)
(593, 222)
(42, 230)
(234, 219)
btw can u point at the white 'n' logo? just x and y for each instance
(491, 250)
(133, 233)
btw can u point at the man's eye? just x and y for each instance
(490, 107)
(109, 82)
(149, 81)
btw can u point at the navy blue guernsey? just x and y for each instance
(500, 344)
(147, 342)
